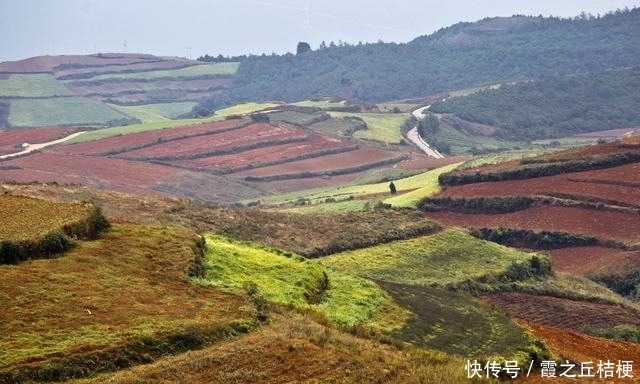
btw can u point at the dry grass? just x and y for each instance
(28, 218)
(130, 284)
(294, 348)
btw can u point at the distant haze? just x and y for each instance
(191, 28)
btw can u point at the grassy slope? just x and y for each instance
(384, 127)
(425, 185)
(151, 113)
(132, 283)
(293, 348)
(448, 256)
(60, 111)
(115, 131)
(243, 109)
(35, 85)
(195, 70)
(284, 278)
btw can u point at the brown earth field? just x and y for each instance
(11, 140)
(619, 226)
(589, 151)
(275, 153)
(125, 176)
(617, 184)
(254, 134)
(360, 157)
(595, 259)
(48, 63)
(140, 139)
(562, 313)
(578, 348)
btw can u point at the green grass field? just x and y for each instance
(286, 278)
(457, 324)
(446, 257)
(425, 184)
(133, 128)
(320, 103)
(384, 127)
(60, 111)
(195, 70)
(294, 117)
(151, 113)
(243, 109)
(34, 85)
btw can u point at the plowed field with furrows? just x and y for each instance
(619, 226)
(340, 162)
(314, 146)
(102, 172)
(122, 143)
(562, 313)
(586, 152)
(224, 142)
(584, 260)
(579, 348)
(616, 184)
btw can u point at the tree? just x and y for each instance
(392, 188)
(303, 47)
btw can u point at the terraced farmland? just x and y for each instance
(563, 313)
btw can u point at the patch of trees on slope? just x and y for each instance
(554, 106)
(463, 55)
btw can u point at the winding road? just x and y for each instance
(35, 147)
(417, 140)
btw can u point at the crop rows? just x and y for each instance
(123, 143)
(201, 146)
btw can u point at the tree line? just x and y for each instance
(460, 56)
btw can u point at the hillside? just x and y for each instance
(104, 89)
(552, 107)
(463, 55)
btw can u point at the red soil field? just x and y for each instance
(633, 139)
(562, 313)
(588, 151)
(47, 63)
(10, 139)
(580, 348)
(585, 260)
(619, 226)
(621, 184)
(133, 140)
(249, 135)
(258, 156)
(360, 157)
(101, 172)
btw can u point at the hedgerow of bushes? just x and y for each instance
(529, 238)
(476, 204)
(54, 242)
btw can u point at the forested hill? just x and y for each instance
(463, 55)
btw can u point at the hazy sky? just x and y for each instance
(231, 27)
